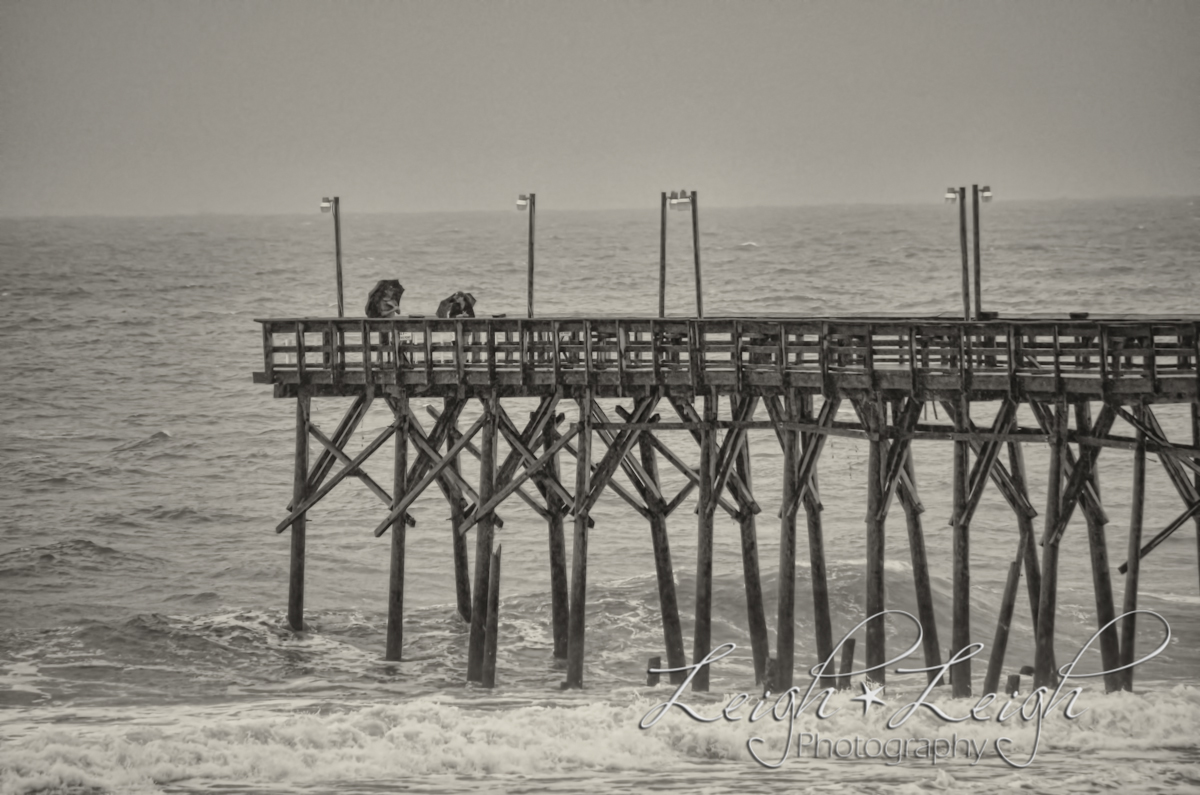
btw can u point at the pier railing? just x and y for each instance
(1110, 359)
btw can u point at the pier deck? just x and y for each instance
(1131, 360)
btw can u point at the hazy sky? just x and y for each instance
(171, 106)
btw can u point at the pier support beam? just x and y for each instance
(811, 444)
(299, 495)
(920, 565)
(1133, 573)
(559, 602)
(483, 540)
(462, 576)
(578, 611)
(663, 570)
(395, 620)
(960, 674)
(1044, 673)
(702, 638)
(872, 412)
(756, 616)
(785, 627)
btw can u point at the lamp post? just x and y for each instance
(529, 202)
(681, 200)
(328, 204)
(960, 195)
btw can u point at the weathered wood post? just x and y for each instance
(663, 569)
(484, 531)
(847, 665)
(756, 616)
(1044, 673)
(458, 542)
(822, 615)
(1110, 653)
(1137, 510)
(920, 565)
(395, 620)
(785, 627)
(578, 612)
(491, 641)
(991, 680)
(702, 637)
(299, 495)
(876, 654)
(960, 674)
(559, 602)
(696, 253)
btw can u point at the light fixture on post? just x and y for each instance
(529, 202)
(951, 195)
(680, 200)
(328, 204)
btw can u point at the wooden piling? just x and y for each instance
(966, 276)
(655, 665)
(876, 655)
(663, 569)
(756, 615)
(1133, 573)
(785, 627)
(818, 574)
(492, 637)
(483, 541)
(458, 542)
(559, 600)
(702, 635)
(395, 607)
(960, 632)
(696, 254)
(299, 495)
(1013, 685)
(1110, 652)
(920, 566)
(843, 681)
(1195, 412)
(991, 679)
(578, 607)
(1044, 673)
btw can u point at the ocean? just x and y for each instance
(143, 641)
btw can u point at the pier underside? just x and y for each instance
(790, 376)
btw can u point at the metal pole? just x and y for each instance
(966, 266)
(662, 258)
(337, 241)
(696, 249)
(532, 212)
(978, 267)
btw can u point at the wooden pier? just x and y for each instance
(786, 375)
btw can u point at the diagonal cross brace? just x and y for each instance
(341, 434)
(1082, 476)
(690, 474)
(525, 450)
(430, 476)
(735, 486)
(514, 483)
(731, 447)
(618, 450)
(1091, 500)
(986, 457)
(349, 469)
(1180, 520)
(1015, 497)
(637, 474)
(898, 452)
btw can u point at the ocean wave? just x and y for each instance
(579, 741)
